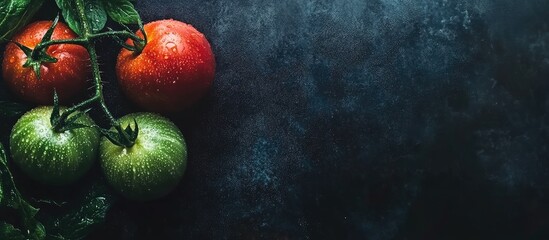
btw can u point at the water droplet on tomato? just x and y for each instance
(171, 46)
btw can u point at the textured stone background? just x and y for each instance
(355, 119)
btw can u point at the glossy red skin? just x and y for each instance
(174, 70)
(67, 76)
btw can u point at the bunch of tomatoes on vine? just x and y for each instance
(163, 66)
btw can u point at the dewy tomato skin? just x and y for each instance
(67, 76)
(50, 157)
(174, 70)
(153, 166)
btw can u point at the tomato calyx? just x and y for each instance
(36, 57)
(141, 43)
(138, 43)
(122, 137)
(60, 123)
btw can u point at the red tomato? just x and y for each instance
(174, 70)
(67, 76)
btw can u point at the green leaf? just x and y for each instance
(70, 14)
(15, 14)
(94, 10)
(8, 231)
(3, 160)
(96, 14)
(9, 110)
(122, 11)
(38, 231)
(83, 219)
(74, 222)
(12, 198)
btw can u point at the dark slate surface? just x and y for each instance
(354, 119)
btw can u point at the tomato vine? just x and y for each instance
(76, 14)
(122, 136)
(48, 143)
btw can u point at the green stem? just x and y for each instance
(122, 34)
(98, 84)
(93, 59)
(85, 41)
(88, 38)
(77, 41)
(77, 107)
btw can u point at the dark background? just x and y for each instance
(355, 119)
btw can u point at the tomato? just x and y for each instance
(50, 157)
(153, 166)
(67, 76)
(174, 70)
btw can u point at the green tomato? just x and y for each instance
(153, 166)
(50, 157)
